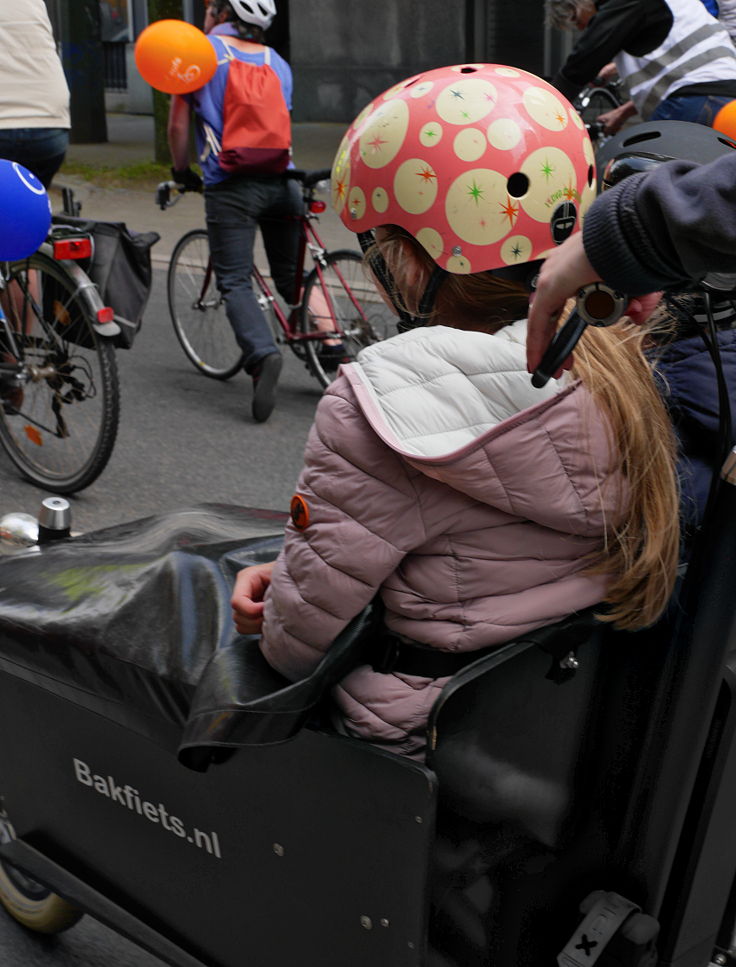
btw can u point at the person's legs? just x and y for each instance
(281, 233)
(698, 108)
(41, 150)
(232, 213)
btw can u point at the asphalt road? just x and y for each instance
(184, 438)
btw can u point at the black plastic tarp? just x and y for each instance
(134, 623)
(125, 620)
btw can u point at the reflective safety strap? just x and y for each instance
(657, 93)
(673, 53)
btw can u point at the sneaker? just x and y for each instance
(331, 356)
(265, 378)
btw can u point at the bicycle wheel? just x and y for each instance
(340, 301)
(59, 427)
(198, 310)
(34, 905)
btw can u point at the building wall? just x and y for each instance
(514, 34)
(344, 52)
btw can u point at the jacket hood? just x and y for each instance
(459, 406)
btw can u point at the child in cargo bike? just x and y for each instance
(435, 476)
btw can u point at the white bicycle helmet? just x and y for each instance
(258, 12)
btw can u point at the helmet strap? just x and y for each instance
(381, 271)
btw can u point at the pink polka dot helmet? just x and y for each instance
(486, 166)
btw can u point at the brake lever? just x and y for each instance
(595, 305)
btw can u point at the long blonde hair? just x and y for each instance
(641, 551)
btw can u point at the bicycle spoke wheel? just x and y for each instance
(341, 304)
(198, 311)
(59, 425)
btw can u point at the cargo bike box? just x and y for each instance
(156, 773)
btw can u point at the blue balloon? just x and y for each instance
(25, 212)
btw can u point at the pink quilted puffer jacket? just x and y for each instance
(437, 474)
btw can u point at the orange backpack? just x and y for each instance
(256, 126)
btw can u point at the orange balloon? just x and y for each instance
(175, 56)
(725, 120)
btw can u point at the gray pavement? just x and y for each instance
(130, 140)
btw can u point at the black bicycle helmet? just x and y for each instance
(644, 146)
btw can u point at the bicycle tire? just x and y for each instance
(360, 316)
(32, 904)
(197, 309)
(61, 429)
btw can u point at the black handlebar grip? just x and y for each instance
(596, 305)
(565, 340)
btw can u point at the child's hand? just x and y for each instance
(247, 600)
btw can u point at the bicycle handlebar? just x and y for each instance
(595, 305)
(308, 179)
(163, 194)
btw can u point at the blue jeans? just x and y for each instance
(235, 209)
(41, 150)
(700, 108)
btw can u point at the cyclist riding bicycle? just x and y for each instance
(675, 58)
(482, 507)
(237, 204)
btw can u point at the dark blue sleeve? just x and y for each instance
(660, 229)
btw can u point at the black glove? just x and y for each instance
(188, 179)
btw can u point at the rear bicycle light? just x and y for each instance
(105, 314)
(317, 206)
(73, 248)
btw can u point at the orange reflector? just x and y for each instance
(105, 314)
(317, 206)
(33, 435)
(73, 248)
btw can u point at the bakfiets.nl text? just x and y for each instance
(129, 797)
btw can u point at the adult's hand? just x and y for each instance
(612, 121)
(563, 273)
(561, 277)
(247, 600)
(608, 72)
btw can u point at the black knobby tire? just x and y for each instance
(34, 905)
(59, 429)
(358, 315)
(198, 311)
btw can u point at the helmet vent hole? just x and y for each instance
(468, 70)
(591, 175)
(641, 136)
(517, 185)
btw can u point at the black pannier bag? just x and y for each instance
(121, 269)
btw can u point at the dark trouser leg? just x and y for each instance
(281, 232)
(41, 150)
(232, 213)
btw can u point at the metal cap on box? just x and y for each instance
(55, 514)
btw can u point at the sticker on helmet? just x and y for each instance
(563, 221)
